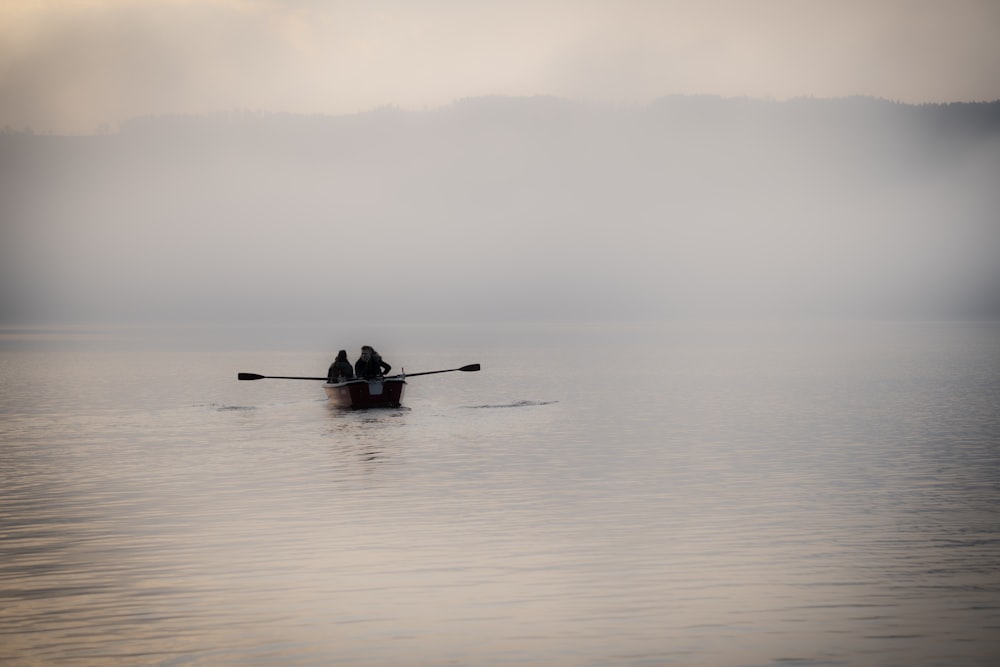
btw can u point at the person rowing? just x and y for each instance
(370, 365)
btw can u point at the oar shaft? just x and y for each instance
(254, 376)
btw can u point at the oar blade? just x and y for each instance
(470, 367)
(250, 376)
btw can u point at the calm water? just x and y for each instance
(683, 495)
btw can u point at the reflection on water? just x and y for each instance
(731, 503)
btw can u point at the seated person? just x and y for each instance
(340, 369)
(370, 365)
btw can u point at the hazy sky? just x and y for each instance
(73, 65)
(515, 207)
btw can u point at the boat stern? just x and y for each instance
(358, 393)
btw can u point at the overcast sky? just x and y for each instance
(75, 65)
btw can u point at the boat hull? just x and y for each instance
(359, 394)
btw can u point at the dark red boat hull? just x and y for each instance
(385, 393)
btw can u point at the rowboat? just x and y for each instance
(376, 393)
(380, 392)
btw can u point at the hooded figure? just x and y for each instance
(370, 365)
(340, 369)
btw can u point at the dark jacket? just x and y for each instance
(372, 368)
(340, 368)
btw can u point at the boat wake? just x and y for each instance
(516, 404)
(231, 408)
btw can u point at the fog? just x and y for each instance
(556, 161)
(77, 66)
(504, 209)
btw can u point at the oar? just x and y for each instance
(254, 376)
(470, 367)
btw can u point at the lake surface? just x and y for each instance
(789, 495)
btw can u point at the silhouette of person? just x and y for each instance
(370, 365)
(340, 369)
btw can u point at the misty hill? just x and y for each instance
(512, 208)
